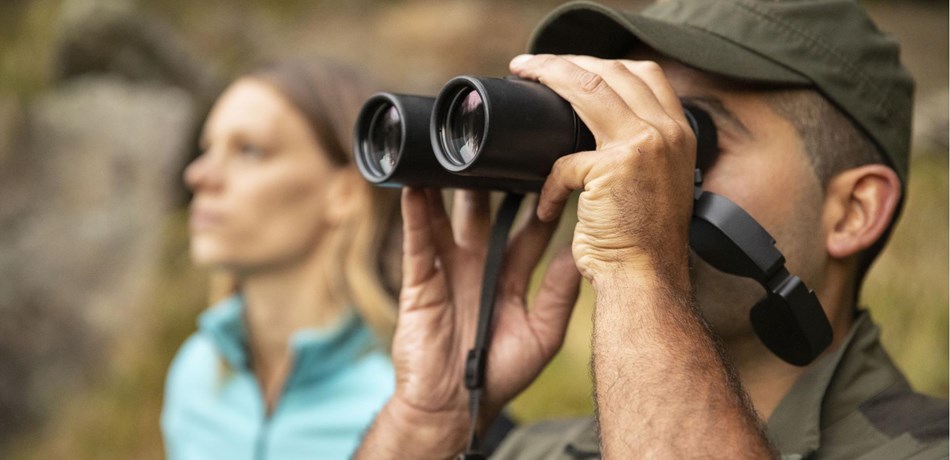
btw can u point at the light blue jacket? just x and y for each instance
(214, 407)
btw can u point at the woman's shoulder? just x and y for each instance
(196, 362)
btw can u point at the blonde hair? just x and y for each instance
(362, 266)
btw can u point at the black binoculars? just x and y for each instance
(506, 133)
(478, 133)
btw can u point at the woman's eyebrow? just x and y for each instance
(717, 109)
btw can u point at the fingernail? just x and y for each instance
(520, 59)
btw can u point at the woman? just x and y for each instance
(290, 363)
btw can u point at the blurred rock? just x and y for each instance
(11, 123)
(83, 206)
(110, 37)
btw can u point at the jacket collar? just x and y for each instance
(316, 352)
(830, 389)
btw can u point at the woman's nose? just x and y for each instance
(203, 172)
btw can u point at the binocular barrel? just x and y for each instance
(481, 133)
(504, 127)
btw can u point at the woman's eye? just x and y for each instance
(251, 151)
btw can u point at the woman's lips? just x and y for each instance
(204, 219)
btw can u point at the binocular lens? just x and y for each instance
(385, 139)
(465, 128)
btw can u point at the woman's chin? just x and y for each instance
(207, 255)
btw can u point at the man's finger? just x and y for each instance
(596, 103)
(440, 224)
(471, 219)
(569, 173)
(624, 79)
(648, 73)
(653, 75)
(419, 254)
(551, 309)
(525, 251)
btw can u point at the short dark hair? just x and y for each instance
(833, 144)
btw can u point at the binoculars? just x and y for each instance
(506, 133)
(478, 133)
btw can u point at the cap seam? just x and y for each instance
(817, 45)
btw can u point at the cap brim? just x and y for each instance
(594, 30)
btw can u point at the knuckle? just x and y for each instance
(651, 67)
(617, 66)
(650, 136)
(590, 82)
(679, 137)
(673, 132)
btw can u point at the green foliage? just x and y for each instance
(27, 35)
(907, 289)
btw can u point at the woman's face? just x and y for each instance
(260, 185)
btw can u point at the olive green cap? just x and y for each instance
(830, 45)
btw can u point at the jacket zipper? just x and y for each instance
(260, 447)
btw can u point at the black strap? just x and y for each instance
(789, 320)
(478, 355)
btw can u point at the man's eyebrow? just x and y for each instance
(717, 110)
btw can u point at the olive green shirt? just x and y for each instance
(852, 403)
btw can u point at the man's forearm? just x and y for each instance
(663, 389)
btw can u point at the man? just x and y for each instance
(812, 109)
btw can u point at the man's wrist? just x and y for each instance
(642, 271)
(403, 431)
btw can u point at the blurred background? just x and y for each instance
(100, 105)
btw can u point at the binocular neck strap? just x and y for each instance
(789, 320)
(478, 355)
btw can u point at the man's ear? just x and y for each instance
(345, 195)
(859, 206)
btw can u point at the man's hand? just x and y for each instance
(443, 261)
(636, 203)
(663, 389)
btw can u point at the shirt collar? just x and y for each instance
(795, 426)
(223, 323)
(316, 352)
